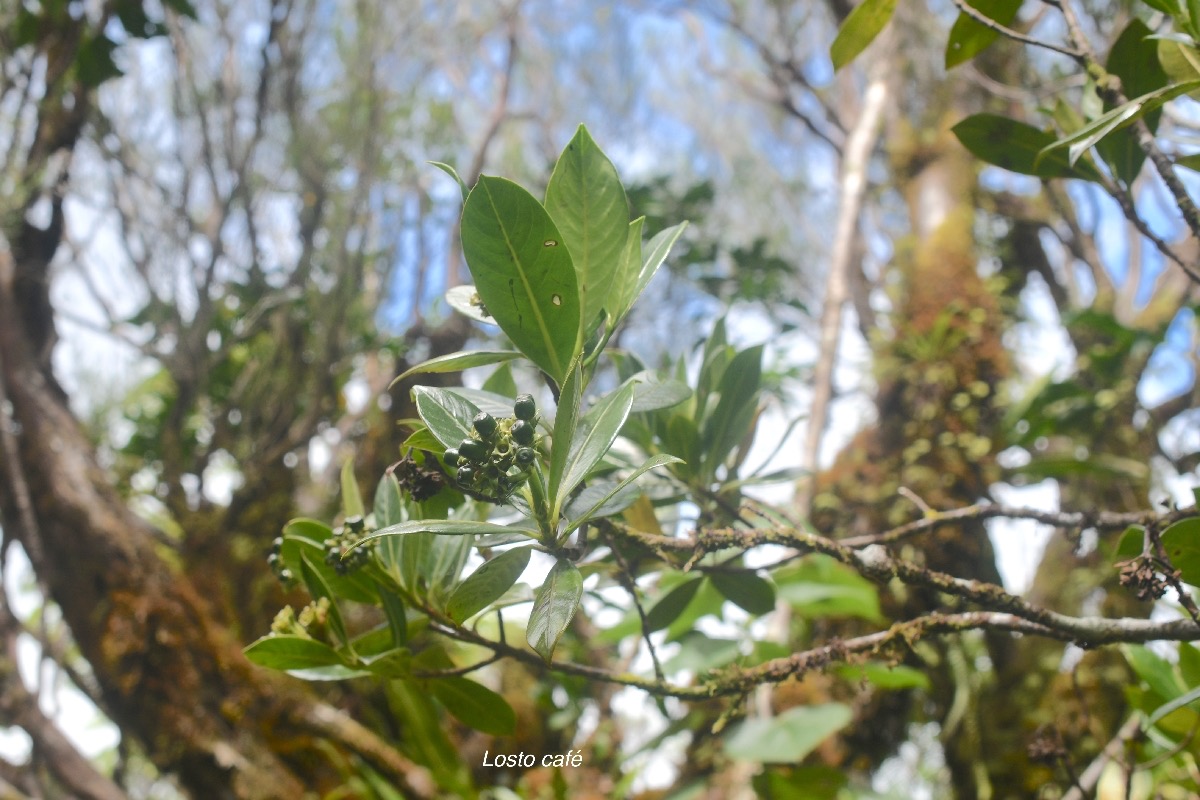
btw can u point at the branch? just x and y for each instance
(988, 22)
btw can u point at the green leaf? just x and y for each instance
(1191, 162)
(592, 439)
(456, 362)
(475, 705)
(306, 537)
(731, 419)
(672, 604)
(969, 37)
(1016, 146)
(291, 652)
(94, 60)
(1181, 541)
(447, 414)
(600, 500)
(389, 504)
(1185, 699)
(487, 584)
(788, 737)
(818, 587)
(1131, 543)
(698, 653)
(523, 273)
(1157, 672)
(501, 382)
(745, 589)
(652, 394)
(1179, 58)
(554, 606)
(865, 22)
(588, 205)
(497, 405)
(397, 617)
(800, 783)
(1165, 6)
(1126, 114)
(566, 419)
(352, 502)
(453, 173)
(1133, 59)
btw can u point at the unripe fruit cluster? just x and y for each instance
(340, 550)
(495, 461)
(275, 562)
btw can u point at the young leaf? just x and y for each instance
(739, 387)
(456, 362)
(447, 414)
(523, 272)
(859, 30)
(671, 605)
(352, 502)
(554, 606)
(969, 37)
(1016, 146)
(592, 440)
(475, 705)
(453, 173)
(745, 589)
(291, 652)
(588, 204)
(487, 584)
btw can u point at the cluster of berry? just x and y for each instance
(275, 562)
(495, 461)
(340, 550)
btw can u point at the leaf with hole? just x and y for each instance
(523, 273)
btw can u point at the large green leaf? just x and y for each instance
(523, 272)
(554, 606)
(865, 22)
(1016, 146)
(588, 205)
(1123, 115)
(593, 437)
(487, 584)
(1133, 59)
(447, 414)
(291, 652)
(969, 37)
(788, 737)
(456, 362)
(475, 705)
(745, 589)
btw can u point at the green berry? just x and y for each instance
(485, 424)
(451, 457)
(524, 408)
(473, 450)
(522, 432)
(525, 456)
(465, 474)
